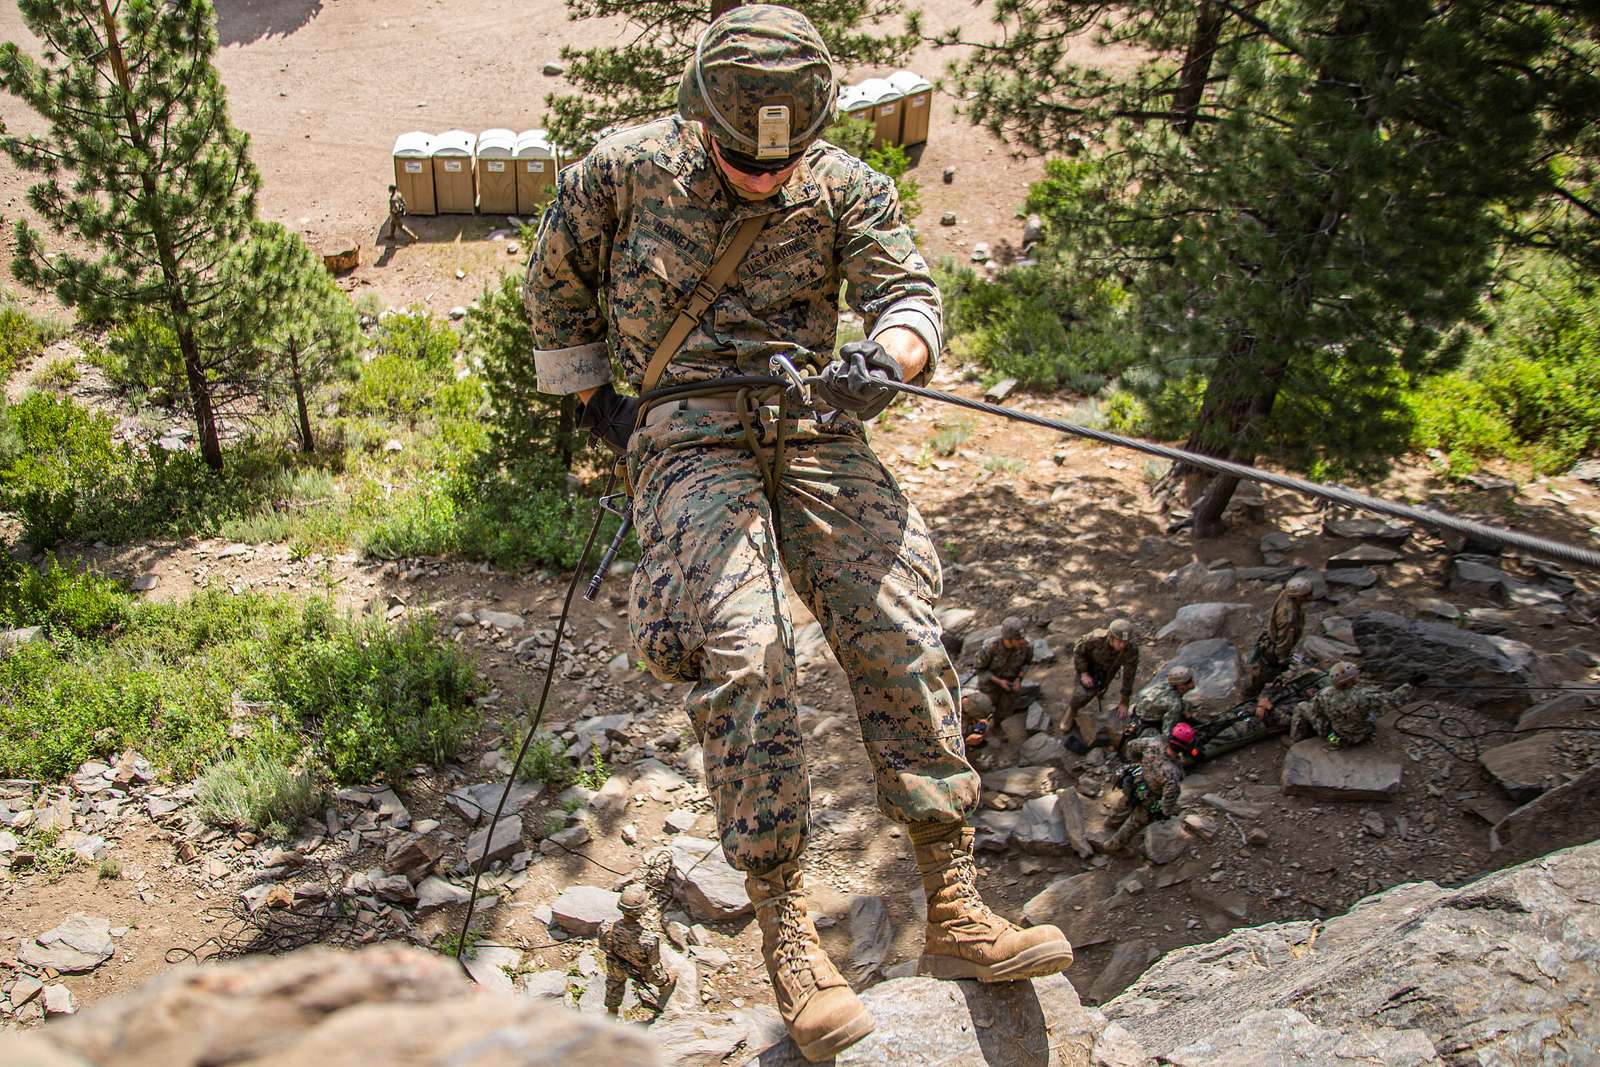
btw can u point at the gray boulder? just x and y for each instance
(383, 1005)
(1532, 764)
(1042, 749)
(1362, 556)
(1499, 971)
(934, 1023)
(1566, 815)
(1042, 830)
(77, 946)
(1196, 581)
(705, 883)
(580, 909)
(486, 846)
(1218, 674)
(1196, 622)
(1312, 769)
(1376, 530)
(1020, 781)
(1395, 649)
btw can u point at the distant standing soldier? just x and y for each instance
(1098, 656)
(1156, 791)
(632, 952)
(1001, 663)
(1275, 647)
(397, 216)
(1159, 710)
(1344, 713)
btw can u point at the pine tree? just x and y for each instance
(294, 331)
(637, 81)
(140, 164)
(1303, 194)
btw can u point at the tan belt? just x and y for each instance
(693, 403)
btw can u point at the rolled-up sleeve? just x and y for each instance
(562, 287)
(888, 281)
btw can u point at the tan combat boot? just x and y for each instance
(965, 939)
(822, 1012)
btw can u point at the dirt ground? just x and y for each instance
(1063, 535)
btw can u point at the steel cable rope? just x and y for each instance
(1478, 531)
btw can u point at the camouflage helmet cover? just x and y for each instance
(1298, 586)
(633, 898)
(1011, 627)
(1180, 676)
(749, 64)
(1121, 629)
(1343, 673)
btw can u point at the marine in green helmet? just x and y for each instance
(735, 493)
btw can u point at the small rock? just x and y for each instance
(948, 218)
(434, 892)
(553, 70)
(1373, 824)
(704, 883)
(569, 840)
(145, 582)
(77, 946)
(681, 820)
(58, 1000)
(980, 252)
(949, 175)
(457, 313)
(580, 909)
(486, 847)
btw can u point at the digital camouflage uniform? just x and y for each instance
(1161, 778)
(638, 223)
(1092, 654)
(631, 952)
(1346, 716)
(1275, 647)
(995, 660)
(1156, 713)
(397, 216)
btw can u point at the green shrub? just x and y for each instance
(1039, 327)
(948, 438)
(546, 760)
(64, 601)
(60, 373)
(57, 460)
(261, 791)
(1529, 385)
(413, 361)
(221, 676)
(382, 698)
(21, 339)
(142, 356)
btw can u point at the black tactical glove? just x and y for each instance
(855, 381)
(610, 417)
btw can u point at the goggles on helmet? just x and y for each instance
(747, 164)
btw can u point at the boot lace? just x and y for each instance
(792, 939)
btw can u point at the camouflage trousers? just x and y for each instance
(710, 607)
(1137, 820)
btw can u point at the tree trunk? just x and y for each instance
(205, 416)
(720, 8)
(306, 444)
(1243, 389)
(1196, 67)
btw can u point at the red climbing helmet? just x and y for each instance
(1182, 733)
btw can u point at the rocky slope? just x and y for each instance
(1502, 971)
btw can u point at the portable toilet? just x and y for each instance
(886, 108)
(497, 175)
(413, 171)
(916, 93)
(853, 103)
(452, 172)
(535, 160)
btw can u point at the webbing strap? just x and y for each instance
(700, 300)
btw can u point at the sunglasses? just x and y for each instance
(751, 165)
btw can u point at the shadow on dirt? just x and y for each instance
(244, 22)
